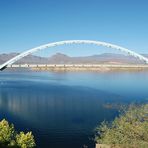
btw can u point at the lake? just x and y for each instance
(62, 109)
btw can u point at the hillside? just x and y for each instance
(59, 58)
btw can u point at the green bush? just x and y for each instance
(130, 129)
(6, 131)
(25, 140)
(10, 138)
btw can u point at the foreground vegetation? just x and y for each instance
(10, 138)
(129, 130)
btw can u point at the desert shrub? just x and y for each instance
(6, 131)
(130, 129)
(10, 138)
(25, 140)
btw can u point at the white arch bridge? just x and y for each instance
(98, 43)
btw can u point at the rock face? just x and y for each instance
(59, 58)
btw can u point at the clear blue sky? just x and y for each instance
(29, 23)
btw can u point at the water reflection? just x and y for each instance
(56, 110)
(62, 111)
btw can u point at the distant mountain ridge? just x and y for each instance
(59, 58)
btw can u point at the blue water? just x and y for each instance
(63, 109)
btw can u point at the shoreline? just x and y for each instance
(80, 67)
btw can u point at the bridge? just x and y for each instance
(49, 45)
(80, 67)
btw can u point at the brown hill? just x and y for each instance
(60, 58)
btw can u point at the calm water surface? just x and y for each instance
(62, 109)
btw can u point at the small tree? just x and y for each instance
(130, 129)
(25, 140)
(10, 138)
(6, 132)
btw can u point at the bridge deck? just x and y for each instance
(76, 66)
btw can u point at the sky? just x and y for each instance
(25, 24)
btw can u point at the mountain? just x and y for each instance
(30, 59)
(5, 57)
(59, 58)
